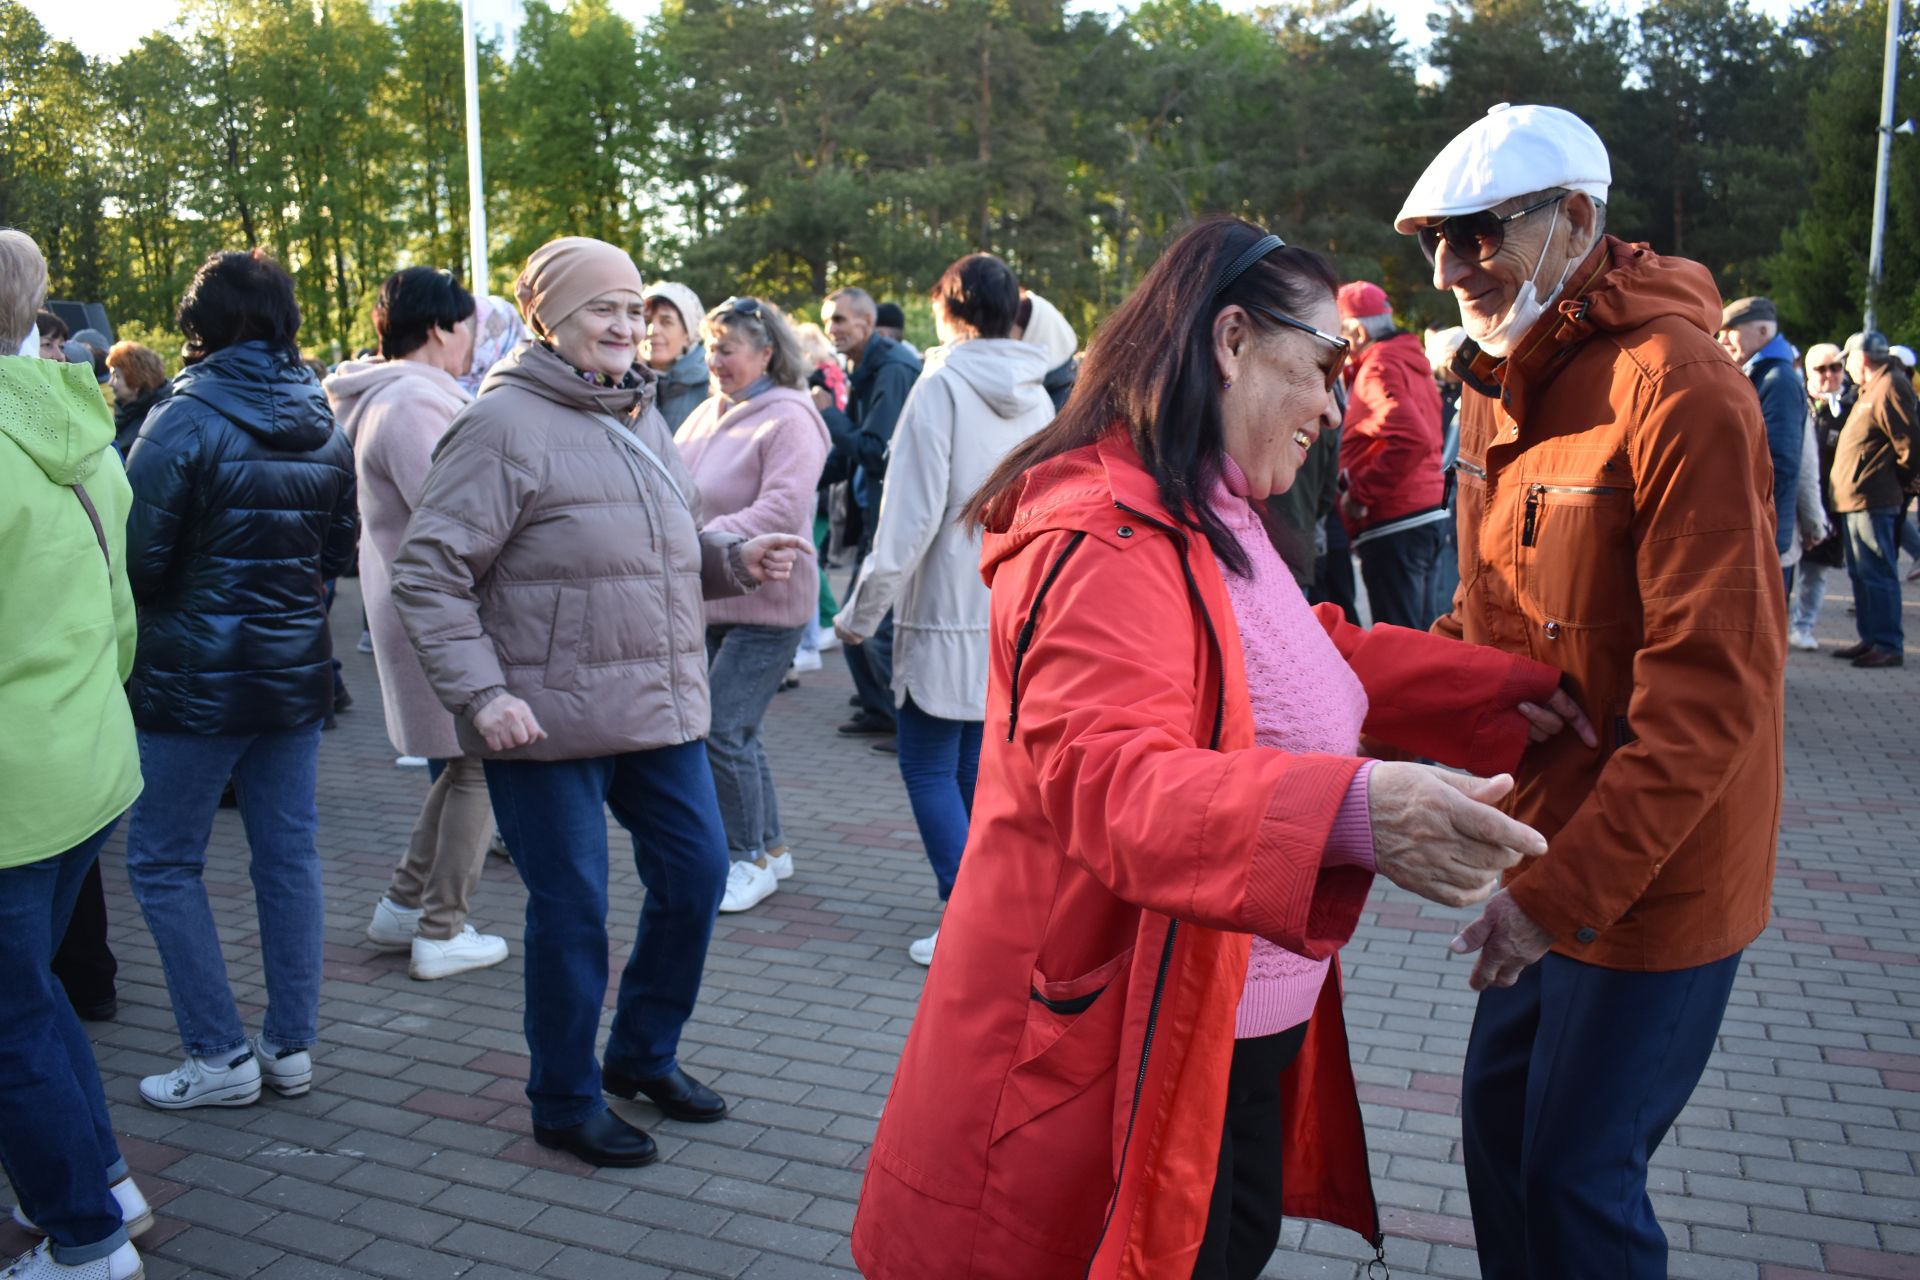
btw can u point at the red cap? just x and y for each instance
(1362, 298)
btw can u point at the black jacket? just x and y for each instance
(243, 510)
(875, 395)
(128, 415)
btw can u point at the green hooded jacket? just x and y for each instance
(69, 761)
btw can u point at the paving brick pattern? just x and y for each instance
(413, 1155)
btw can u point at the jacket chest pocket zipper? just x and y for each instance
(1530, 521)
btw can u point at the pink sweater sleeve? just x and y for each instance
(1350, 843)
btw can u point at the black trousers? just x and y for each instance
(84, 963)
(1402, 575)
(1243, 1220)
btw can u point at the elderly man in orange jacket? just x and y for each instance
(1616, 520)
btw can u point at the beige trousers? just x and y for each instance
(447, 850)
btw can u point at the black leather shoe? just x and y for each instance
(1852, 651)
(98, 1010)
(1880, 658)
(678, 1095)
(606, 1140)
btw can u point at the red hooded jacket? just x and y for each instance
(1058, 1108)
(1391, 440)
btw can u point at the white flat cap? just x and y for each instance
(1511, 151)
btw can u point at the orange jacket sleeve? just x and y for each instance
(1120, 672)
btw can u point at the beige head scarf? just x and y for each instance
(564, 275)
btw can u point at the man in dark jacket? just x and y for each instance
(884, 372)
(243, 509)
(1873, 463)
(1393, 492)
(1750, 331)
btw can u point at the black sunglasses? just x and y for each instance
(1333, 340)
(741, 306)
(1835, 367)
(1475, 237)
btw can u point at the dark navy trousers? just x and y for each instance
(1574, 1075)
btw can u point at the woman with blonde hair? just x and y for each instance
(755, 447)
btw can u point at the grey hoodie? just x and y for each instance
(973, 404)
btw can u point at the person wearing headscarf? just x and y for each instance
(674, 350)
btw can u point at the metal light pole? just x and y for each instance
(476, 192)
(1876, 256)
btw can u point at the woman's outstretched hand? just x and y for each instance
(772, 556)
(1437, 833)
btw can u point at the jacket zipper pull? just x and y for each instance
(1533, 514)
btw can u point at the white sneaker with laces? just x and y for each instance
(780, 864)
(748, 885)
(198, 1082)
(920, 950)
(1802, 640)
(288, 1072)
(393, 927)
(135, 1212)
(444, 957)
(38, 1264)
(806, 660)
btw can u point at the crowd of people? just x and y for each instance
(1101, 609)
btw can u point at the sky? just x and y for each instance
(108, 28)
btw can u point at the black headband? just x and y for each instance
(1238, 267)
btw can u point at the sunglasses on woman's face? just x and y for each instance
(1338, 343)
(1835, 367)
(1475, 237)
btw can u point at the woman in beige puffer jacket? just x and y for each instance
(551, 582)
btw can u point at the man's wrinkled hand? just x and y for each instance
(1507, 940)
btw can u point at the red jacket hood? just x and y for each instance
(1090, 488)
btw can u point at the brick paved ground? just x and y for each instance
(412, 1156)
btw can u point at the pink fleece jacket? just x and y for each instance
(757, 464)
(1305, 698)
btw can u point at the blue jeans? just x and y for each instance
(1873, 557)
(746, 667)
(553, 816)
(1573, 1076)
(56, 1139)
(273, 780)
(939, 760)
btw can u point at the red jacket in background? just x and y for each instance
(1390, 442)
(1072, 1045)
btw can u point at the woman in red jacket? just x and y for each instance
(1097, 1082)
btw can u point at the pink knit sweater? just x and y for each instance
(1305, 699)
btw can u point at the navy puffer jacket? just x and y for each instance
(243, 509)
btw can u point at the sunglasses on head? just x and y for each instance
(741, 306)
(1475, 237)
(1335, 341)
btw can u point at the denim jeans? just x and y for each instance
(1809, 593)
(273, 780)
(1401, 571)
(745, 667)
(553, 816)
(1872, 559)
(56, 1139)
(871, 666)
(939, 760)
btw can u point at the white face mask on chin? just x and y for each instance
(31, 346)
(1527, 306)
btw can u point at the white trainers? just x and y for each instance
(198, 1082)
(781, 865)
(748, 885)
(135, 1212)
(442, 958)
(410, 762)
(1802, 640)
(288, 1072)
(38, 1264)
(392, 928)
(829, 640)
(920, 950)
(806, 660)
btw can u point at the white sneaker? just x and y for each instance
(410, 762)
(1802, 640)
(288, 1072)
(920, 950)
(806, 660)
(38, 1264)
(393, 927)
(829, 640)
(781, 865)
(365, 643)
(200, 1083)
(442, 958)
(135, 1212)
(748, 885)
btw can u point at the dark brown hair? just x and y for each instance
(981, 292)
(240, 297)
(1150, 371)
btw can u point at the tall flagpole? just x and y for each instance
(476, 191)
(1876, 257)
